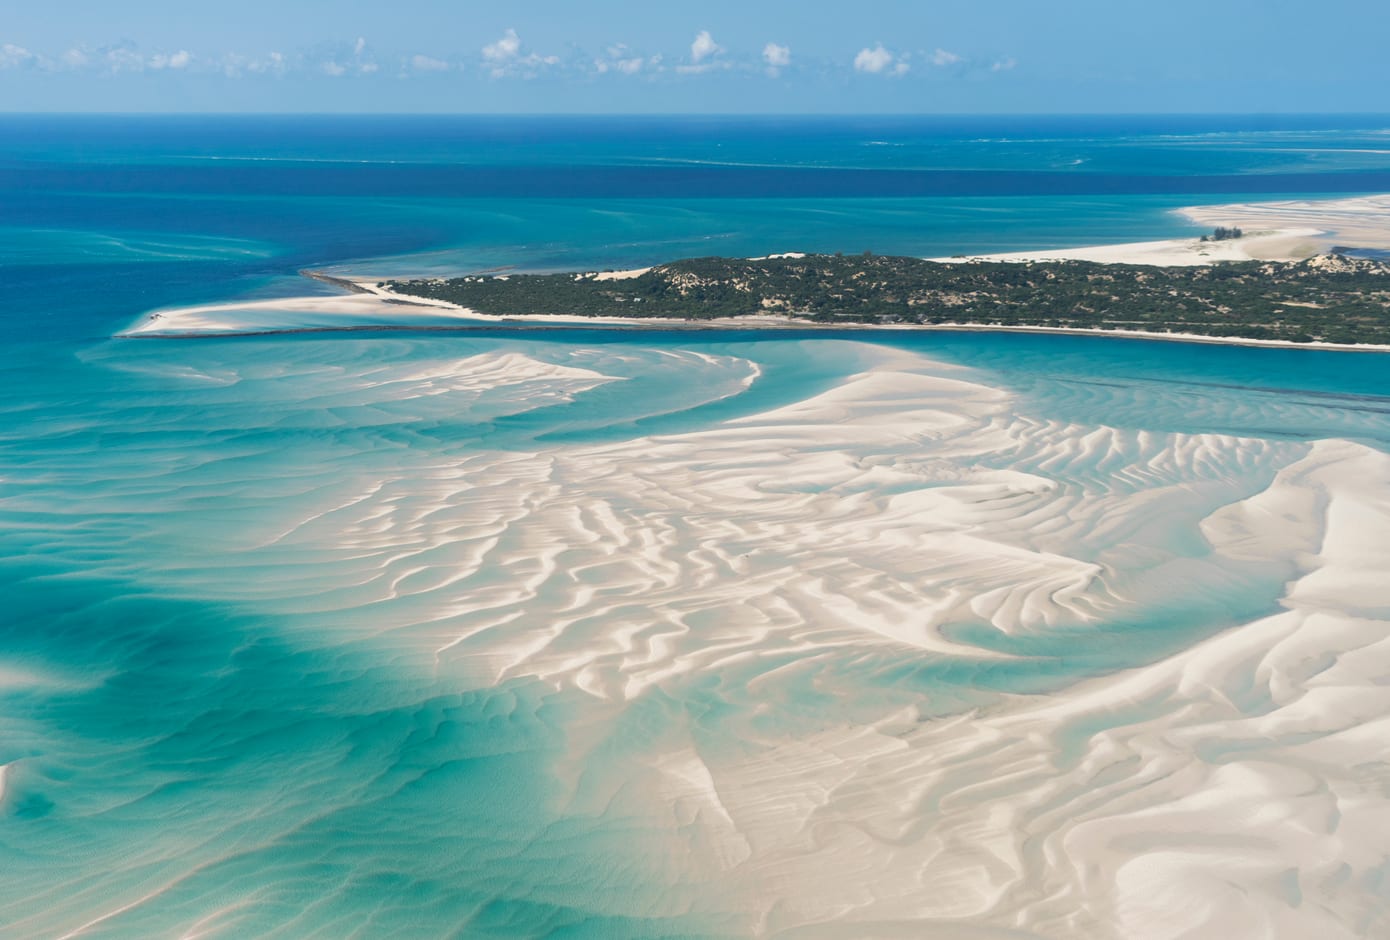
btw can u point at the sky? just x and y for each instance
(716, 56)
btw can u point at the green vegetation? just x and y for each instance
(1331, 298)
(1223, 234)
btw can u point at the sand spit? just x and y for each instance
(359, 308)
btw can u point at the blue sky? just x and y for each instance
(719, 56)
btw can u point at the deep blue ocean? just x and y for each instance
(229, 567)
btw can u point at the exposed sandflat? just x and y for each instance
(812, 549)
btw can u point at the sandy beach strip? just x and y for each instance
(1274, 244)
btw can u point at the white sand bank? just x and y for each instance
(1275, 244)
(1361, 222)
(375, 307)
(1274, 231)
(798, 573)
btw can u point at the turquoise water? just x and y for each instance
(299, 638)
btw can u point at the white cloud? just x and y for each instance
(1003, 65)
(178, 60)
(333, 69)
(873, 60)
(703, 47)
(124, 59)
(360, 46)
(623, 66)
(12, 56)
(942, 58)
(504, 49)
(902, 68)
(704, 56)
(777, 56)
(504, 58)
(274, 63)
(619, 58)
(127, 58)
(424, 63)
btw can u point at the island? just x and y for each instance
(1331, 298)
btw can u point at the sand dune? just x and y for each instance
(1360, 222)
(1274, 240)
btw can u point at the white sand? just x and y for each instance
(319, 312)
(794, 570)
(1274, 244)
(1234, 784)
(1274, 231)
(1361, 222)
(765, 601)
(289, 313)
(620, 275)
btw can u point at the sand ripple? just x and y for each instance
(898, 658)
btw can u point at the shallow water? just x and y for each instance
(598, 634)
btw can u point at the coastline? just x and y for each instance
(1280, 231)
(768, 322)
(464, 319)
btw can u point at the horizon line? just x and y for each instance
(705, 114)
